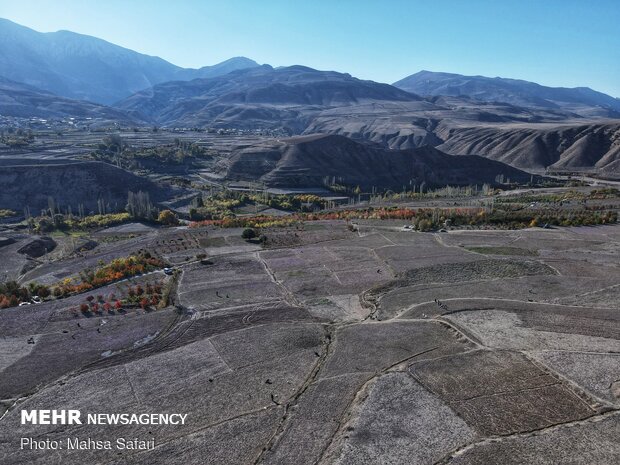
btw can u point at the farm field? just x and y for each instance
(329, 344)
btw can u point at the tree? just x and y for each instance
(139, 205)
(248, 233)
(167, 217)
(113, 142)
(44, 225)
(424, 225)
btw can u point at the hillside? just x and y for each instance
(29, 183)
(257, 97)
(522, 137)
(82, 67)
(582, 100)
(24, 101)
(308, 160)
(590, 146)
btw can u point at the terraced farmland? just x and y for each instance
(370, 346)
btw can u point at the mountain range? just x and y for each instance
(582, 100)
(83, 67)
(520, 123)
(284, 97)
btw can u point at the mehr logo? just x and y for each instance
(51, 417)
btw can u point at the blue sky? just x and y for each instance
(554, 42)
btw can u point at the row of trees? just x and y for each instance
(139, 207)
(144, 296)
(426, 219)
(12, 294)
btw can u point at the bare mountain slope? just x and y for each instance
(569, 147)
(29, 183)
(258, 97)
(524, 138)
(307, 160)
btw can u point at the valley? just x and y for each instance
(305, 266)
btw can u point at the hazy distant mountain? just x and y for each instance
(307, 160)
(24, 101)
(257, 97)
(87, 68)
(582, 100)
(220, 69)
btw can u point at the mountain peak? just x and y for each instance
(84, 67)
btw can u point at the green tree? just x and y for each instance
(248, 233)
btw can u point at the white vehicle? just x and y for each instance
(24, 303)
(168, 271)
(36, 299)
